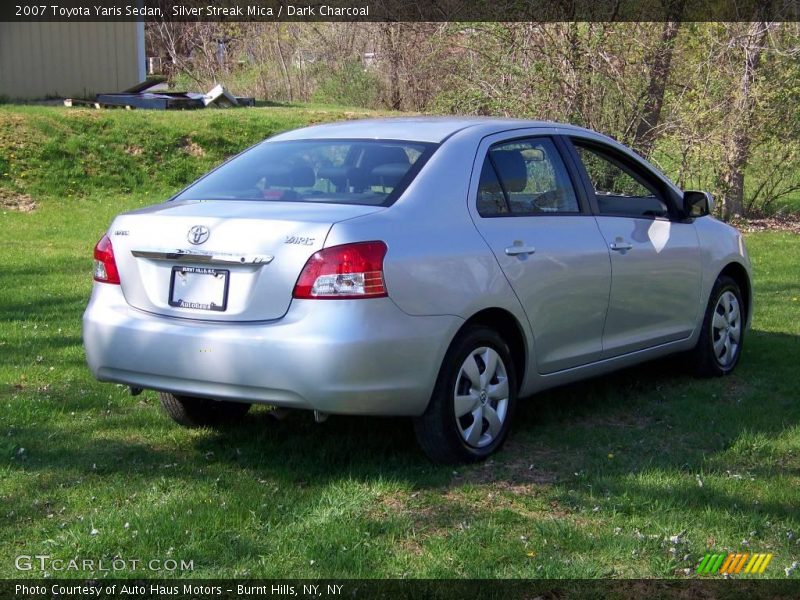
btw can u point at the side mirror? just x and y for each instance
(697, 204)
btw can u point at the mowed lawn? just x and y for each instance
(636, 474)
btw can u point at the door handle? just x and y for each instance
(518, 249)
(620, 246)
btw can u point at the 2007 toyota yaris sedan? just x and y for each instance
(427, 267)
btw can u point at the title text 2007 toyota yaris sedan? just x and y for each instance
(428, 267)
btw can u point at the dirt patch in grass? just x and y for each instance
(624, 421)
(191, 147)
(392, 504)
(356, 115)
(524, 467)
(15, 201)
(10, 122)
(83, 112)
(134, 150)
(522, 500)
(520, 475)
(734, 391)
(410, 546)
(790, 223)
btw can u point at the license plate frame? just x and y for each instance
(195, 273)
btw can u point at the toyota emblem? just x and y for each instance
(198, 234)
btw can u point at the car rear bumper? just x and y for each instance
(336, 356)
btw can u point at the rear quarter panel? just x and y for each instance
(437, 263)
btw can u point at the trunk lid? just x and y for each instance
(220, 260)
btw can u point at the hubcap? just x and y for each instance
(726, 329)
(481, 397)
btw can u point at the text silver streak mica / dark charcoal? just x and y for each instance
(428, 267)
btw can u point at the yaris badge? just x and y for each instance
(198, 234)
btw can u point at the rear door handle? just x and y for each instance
(518, 249)
(620, 246)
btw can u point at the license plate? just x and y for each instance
(199, 288)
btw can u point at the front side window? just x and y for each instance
(525, 177)
(618, 191)
(371, 172)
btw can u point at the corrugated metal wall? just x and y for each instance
(69, 59)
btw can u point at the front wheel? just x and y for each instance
(200, 412)
(473, 402)
(720, 344)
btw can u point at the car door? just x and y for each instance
(655, 254)
(526, 205)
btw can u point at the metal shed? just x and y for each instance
(49, 59)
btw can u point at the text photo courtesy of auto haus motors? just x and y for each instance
(342, 298)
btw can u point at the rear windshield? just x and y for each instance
(370, 172)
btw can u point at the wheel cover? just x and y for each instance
(726, 329)
(480, 397)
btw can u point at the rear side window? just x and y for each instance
(619, 191)
(371, 172)
(525, 177)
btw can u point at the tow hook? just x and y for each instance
(320, 417)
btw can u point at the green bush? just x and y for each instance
(350, 84)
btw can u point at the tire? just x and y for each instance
(487, 405)
(720, 345)
(201, 412)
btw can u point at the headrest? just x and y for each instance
(389, 175)
(489, 183)
(381, 155)
(289, 175)
(511, 168)
(336, 175)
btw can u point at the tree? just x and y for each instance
(741, 110)
(392, 48)
(659, 64)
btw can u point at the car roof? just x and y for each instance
(420, 129)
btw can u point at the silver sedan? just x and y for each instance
(429, 267)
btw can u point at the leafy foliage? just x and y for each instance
(349, 83)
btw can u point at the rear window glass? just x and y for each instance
(370, 172)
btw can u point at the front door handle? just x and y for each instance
(518, 249)
(620, 246)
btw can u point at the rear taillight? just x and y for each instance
(105, 267)
(348, 271)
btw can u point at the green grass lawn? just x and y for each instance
(637, 474)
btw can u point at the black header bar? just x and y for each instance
(399, 10)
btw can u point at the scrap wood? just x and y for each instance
(144, 95)
(147, 84)
(220, 96)
(80, 102)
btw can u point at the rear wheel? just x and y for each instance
(720, 344)
(473, 402)
(199, 412)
